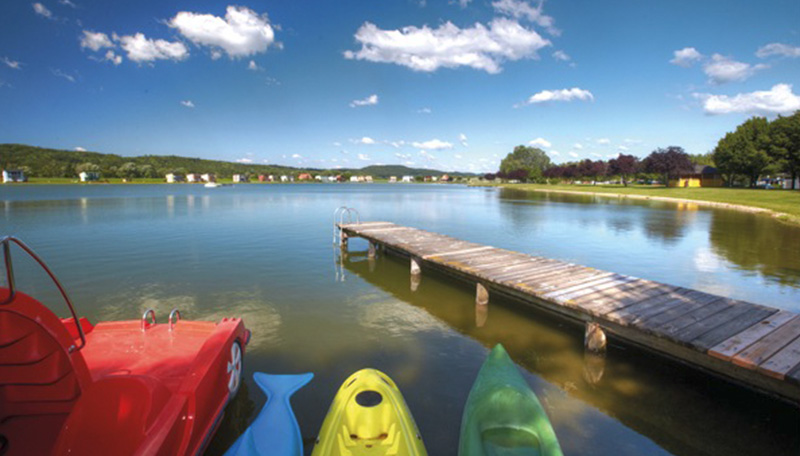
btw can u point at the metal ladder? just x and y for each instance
(340, 212)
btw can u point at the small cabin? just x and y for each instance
(192, 178)
(333, 178)
(89, 176)
(318, 177)
(13, 175)
(368, 179)
(173, 178)
(408, 178)
(284, 178)
(354, 178)
(304, 177)
(446, 178)
(208, 177)
(239, 178)
(701, 176)
(262, 178)
(392, 179)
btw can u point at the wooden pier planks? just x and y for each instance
(752, 344)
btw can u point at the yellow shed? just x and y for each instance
(702, 176)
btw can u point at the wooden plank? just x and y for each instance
(370, 232)
(647, 308)
(757, 353)
(540, 271)
(681, 306)
(735, 313)
(456, 252)
(673, 326)
(571, 279)
(523, 269)
(603, 284)
(720, 333)
(782, 362)
(793, 376)
(631, 297)
(603, 298)
(729, 347)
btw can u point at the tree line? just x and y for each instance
(757, 147)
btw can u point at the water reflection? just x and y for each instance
(683, 411)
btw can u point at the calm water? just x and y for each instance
(264, 253)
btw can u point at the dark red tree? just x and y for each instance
(624, 166)
(670, 163)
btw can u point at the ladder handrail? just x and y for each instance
(340, 212)
(12, 289)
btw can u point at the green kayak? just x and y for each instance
(503, 416)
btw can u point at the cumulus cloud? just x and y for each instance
(540, 142)
(80, 149)
(397, 144)
(143, 49)
(604, 141)
(554, 152)
(67, 3)
(686, 57)
(244, 160)
(112, 57)
(424, 111)
(369, 101)
(61, 74)
(780, 49)
(402, 156)
(253, 66)
(778, 100)
(365, 140)
(721, 69)
(41, 10)
(425, 154)
(462, 138)
(561, 55)
(448, 46)
(622, 148)
(520, 9)
(433, 144)
(559, 95)
(297, 156)
(95, 40)
(187, 103)
(13, 64)
(363, 157)
(241, 33)
(578, 146)
(573, 155)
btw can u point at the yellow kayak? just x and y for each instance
(369, 417)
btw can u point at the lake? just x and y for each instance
(265, 253)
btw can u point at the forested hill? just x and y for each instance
(41, 162)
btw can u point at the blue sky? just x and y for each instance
(447, 84)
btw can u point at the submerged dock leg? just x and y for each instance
(372, 249)
(481, 295)
(595, 339)
(415, 269)
(343, 240)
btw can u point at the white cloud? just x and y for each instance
(433, 144)
(366, 140)
(80, 149)
(244, 160)
(781, 49)
(686, 57)
(402, 156)
(42, 11)
(622, 148)
(67, 3)
(463, 3)
(187, 103)
(241, 33)
(61, 74)
(458, 156)
(337, 144)
(298, 156)
(778, 100)
(95, 40)
(369, 101)
(253, 66)
(143, 49)
(396, 144)
(426, 155)
(554, 152)
(573, 155)
(424, 111)
(604, 141)
(448, 46)
(721, 69)
(578, 146)
(523, 10)
(363, 157)
(559, 95)
(463, 139)
(112, 57)
(540, 142)
(561, 55)
(13, 64)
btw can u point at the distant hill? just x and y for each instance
(42, 162)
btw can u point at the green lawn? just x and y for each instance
(784, 201)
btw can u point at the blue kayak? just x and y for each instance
(275, 430)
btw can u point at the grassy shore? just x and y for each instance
(782, 204)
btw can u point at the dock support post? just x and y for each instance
(481, 295)
(343, 240)
(372, 249)
(595, 339)
(415, 269)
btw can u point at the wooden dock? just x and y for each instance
(750, 344)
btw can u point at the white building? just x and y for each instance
(392, 179)
(354, 178)
(787, 183)
(318, 177)
(192, 178)
(239, 178)
(332, 179)
(209, 177)
(284, 178)
(368, 179)
(89, 176)
(173, 178)
(408, 178)
(13, 175)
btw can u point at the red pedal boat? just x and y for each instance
(115, 388)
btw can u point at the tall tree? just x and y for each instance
(744, 151)
(530, 159)
(669, 163)
(623, 166)
(785, 136)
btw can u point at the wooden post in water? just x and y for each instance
(343, 240)
(415, 269)
(372, 249)
(481, 295)
(595, 339)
